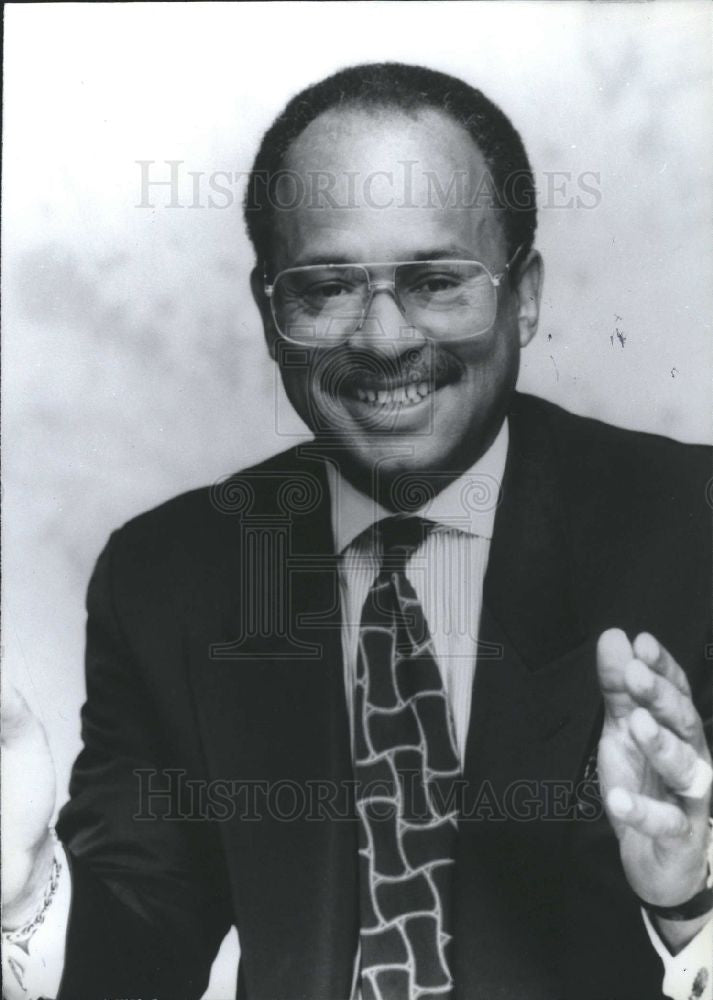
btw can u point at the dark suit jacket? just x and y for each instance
(213, 651)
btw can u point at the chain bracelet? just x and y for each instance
(21, 935)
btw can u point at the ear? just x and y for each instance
(257, 287)
(530, 276)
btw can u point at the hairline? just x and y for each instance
(377, 106)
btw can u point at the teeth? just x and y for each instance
(405, 395)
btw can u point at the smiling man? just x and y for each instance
(420, 317)
(419, 706)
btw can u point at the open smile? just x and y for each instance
(409, 394)
(396, 406)
(372, 387)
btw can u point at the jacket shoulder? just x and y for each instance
(195, 530)
(610, 461)
(206, 508)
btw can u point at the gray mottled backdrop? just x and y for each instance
(133, 361)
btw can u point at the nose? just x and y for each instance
(384, 329)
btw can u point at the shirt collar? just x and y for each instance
(467, 504)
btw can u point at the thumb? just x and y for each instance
(614, 653)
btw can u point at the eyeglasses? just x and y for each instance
(322, 305)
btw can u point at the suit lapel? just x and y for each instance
(537, 685)
(269, 690)
(533, 721)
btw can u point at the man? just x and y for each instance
(419, 706)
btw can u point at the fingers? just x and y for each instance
(614, 652)
(675, 761)
(665, 702)
(659, 820)
(652, 653)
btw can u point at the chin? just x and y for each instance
(393, 469)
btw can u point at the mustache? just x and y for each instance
(347, 370)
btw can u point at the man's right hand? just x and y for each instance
(28, 800)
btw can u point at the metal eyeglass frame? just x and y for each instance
(386, 285)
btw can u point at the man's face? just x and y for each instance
(390, 177)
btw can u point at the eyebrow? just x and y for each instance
(312, 259)
(454, 252)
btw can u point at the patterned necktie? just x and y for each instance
(405, 767)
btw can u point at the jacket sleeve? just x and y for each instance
(148, 909)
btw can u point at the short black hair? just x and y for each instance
(410, 89)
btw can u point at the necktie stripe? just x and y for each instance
(405, 754)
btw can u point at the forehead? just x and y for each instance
(380, 185)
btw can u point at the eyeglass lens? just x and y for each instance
(447, 300)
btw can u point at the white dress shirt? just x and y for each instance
(447, 573)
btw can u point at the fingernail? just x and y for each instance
(647, 647)
(700, 780)
(619, 801)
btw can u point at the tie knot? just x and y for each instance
(401, 536)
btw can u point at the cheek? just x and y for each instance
(297, 387)
(304, 387)
(490, 361)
